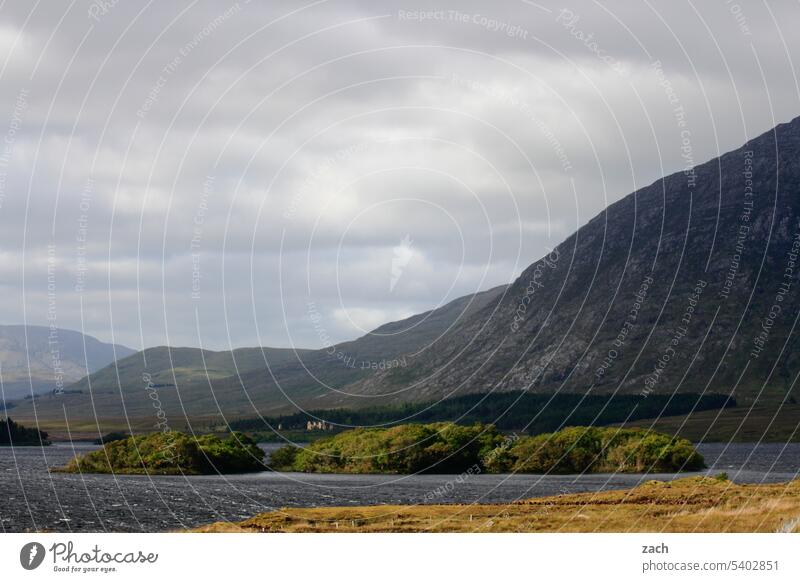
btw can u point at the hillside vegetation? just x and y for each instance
(769, 422)
(451, 448)
(519, 411)
(172, 453)
(201, 384)
(164, 367)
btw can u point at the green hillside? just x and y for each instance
(168, 367)
(181, 386)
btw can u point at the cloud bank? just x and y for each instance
(215, 174)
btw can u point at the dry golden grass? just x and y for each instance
(695, 504)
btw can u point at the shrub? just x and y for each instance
(451, 448)
(603, 450)
(172, 452)
(410, 448)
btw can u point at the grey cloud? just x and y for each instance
(128, 114)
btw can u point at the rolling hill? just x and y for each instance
(210, 386)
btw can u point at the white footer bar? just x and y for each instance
(406, 557)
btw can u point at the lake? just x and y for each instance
(36, 500)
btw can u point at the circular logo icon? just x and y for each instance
(31, 555)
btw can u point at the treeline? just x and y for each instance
(518, 411)
(451, 448)
(12, 433)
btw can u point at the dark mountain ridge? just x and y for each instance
(689, 284)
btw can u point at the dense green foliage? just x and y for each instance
(451, 448)
(172, 453)
(410, 448)
(520, 411)
(15, 434)
(595, 450)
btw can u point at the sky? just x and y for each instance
(226, 174)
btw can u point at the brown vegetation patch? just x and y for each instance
(695, 504)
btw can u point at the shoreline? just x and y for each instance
(691, 504)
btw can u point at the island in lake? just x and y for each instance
(452, 448)
(171, 453)
(405, 449)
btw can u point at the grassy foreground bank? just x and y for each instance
(693, 504)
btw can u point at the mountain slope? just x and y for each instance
(52, 358)
(188, 382)
(689, 284)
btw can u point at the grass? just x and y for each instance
(90, 430)
(767, 422)
(694, 504)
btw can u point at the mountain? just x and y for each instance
(42, 359)
(202, 384)
(687, 285)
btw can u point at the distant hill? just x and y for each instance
(194, 383)
(166, 367)
(36, 357)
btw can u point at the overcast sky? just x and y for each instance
(280, 173)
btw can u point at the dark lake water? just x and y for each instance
(33, 499)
